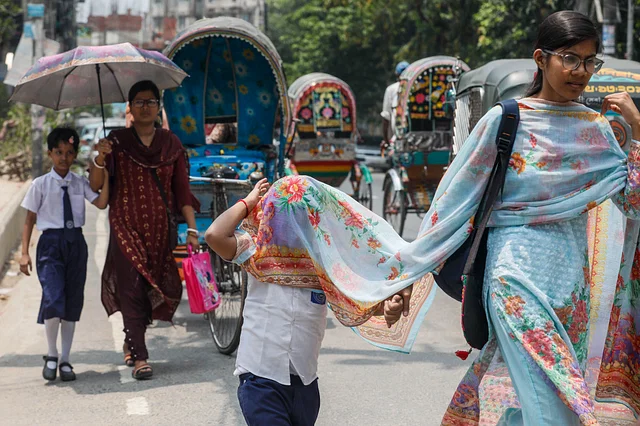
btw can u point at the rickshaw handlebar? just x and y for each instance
(236, 182)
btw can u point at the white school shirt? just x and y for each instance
(44, 198)
(283, 327)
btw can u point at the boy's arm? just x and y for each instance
(103, 199)
(25, 261)
(221, 233)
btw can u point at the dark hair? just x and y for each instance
(143, 86)
(62, 135)
(562, 29)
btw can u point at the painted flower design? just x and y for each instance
(352, 217)
(513, 306)
(187, 65)
(517, 163)
(539, 346)
(254, 139)
(243, 89)
(292, 188)
(592, 205)
(314, 218)
(532, 140)
(375, 244)
(265, 98)
(394, 273)
(434, 218)
(345, 112)
(306, 113)
(215, 96)
(231, 84)
(248, 54)
(188, 124)
(241, 70)
(180, 99)
(420, 98)
(226, 55)
(250, 112)
(327, 112)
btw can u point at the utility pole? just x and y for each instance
(630, 16)
(35, 17)
(609, 27)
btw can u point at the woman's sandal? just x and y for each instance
(128, 358)
(143, 372)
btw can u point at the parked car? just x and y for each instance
(370, 155)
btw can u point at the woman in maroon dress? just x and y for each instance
(140, 276)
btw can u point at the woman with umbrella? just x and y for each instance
(150, 183)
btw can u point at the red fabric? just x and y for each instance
(138, 219)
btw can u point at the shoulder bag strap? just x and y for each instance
(504, 140)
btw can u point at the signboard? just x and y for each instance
(35, 10)
(609, 39)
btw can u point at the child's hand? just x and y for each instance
(397, 306)
(256, 193)
(25, 264)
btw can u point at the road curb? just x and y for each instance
(12, 218)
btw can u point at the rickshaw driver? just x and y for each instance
(389, 103)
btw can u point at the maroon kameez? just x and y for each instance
(140, 276)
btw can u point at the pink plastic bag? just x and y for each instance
(201, 283)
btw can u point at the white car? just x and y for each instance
(370, 155)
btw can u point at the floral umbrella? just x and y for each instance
(92, 75)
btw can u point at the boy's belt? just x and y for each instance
(61, 231)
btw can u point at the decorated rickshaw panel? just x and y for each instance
(257, 94)
(185, 104)
(220, 91)
(325, 107)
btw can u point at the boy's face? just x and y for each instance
(62, 156)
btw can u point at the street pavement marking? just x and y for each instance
(117, 326)
(137, 406)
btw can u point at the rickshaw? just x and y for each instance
(423, 137)
(480, 89)
(325, 134)
(235, 80)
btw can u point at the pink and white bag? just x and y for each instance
(202, 289)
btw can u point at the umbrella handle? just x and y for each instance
(104, 126)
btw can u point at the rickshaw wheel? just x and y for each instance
(394, 207)
(225, 322)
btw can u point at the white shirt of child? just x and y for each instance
(44, 198)
(283, 327)
(389, 104)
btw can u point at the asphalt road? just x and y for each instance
(193, 384)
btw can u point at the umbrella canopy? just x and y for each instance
(91, 75)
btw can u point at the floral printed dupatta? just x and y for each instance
(308, 234)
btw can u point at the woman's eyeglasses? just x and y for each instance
(141, 103)
(572, 62)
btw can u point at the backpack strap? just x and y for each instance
(504, 141)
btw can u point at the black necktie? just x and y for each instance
(68, 214)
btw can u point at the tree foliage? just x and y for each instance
(360, 41)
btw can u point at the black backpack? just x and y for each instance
(463, 273)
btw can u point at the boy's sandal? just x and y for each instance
(66, 376)
(128, 360)
(49, 373)
(142, 373)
